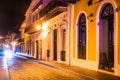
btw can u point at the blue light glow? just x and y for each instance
(8, 53)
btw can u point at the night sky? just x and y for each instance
(12, 14)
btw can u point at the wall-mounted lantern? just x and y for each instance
(90, 16)
(45, 29)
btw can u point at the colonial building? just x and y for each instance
(95, 35)
(83, 33)
(46, 30)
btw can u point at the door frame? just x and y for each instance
(54, 57)
(37, 49)
(115, 31)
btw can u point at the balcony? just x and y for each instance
(37, 5)
(54, 8)
(31, 29)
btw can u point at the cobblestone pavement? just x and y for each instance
(87, 74)
(22, 69)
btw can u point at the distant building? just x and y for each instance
(23, 38)
(11, 41)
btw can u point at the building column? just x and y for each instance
(70, 16)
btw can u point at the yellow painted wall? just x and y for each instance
(78, 7)
(92, 27)
(82, 6)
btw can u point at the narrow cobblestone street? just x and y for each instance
(59, 40)
(23, 69)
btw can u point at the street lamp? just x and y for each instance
(38, 27)
(44, 28)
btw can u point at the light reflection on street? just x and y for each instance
(3, 62)
(3, 67)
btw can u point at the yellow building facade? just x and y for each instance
(95, 35)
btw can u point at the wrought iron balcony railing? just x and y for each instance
(37, 5)
(51, 6)
(31, 29)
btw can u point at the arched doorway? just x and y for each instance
(82, 36)
(106, 38)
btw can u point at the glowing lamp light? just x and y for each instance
(44, 29)
(38, 27)
(45, 26)
(13, 43)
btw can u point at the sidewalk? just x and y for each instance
(3, 69)
(89, 73)
(82, 71)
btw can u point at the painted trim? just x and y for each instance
(71, 41)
